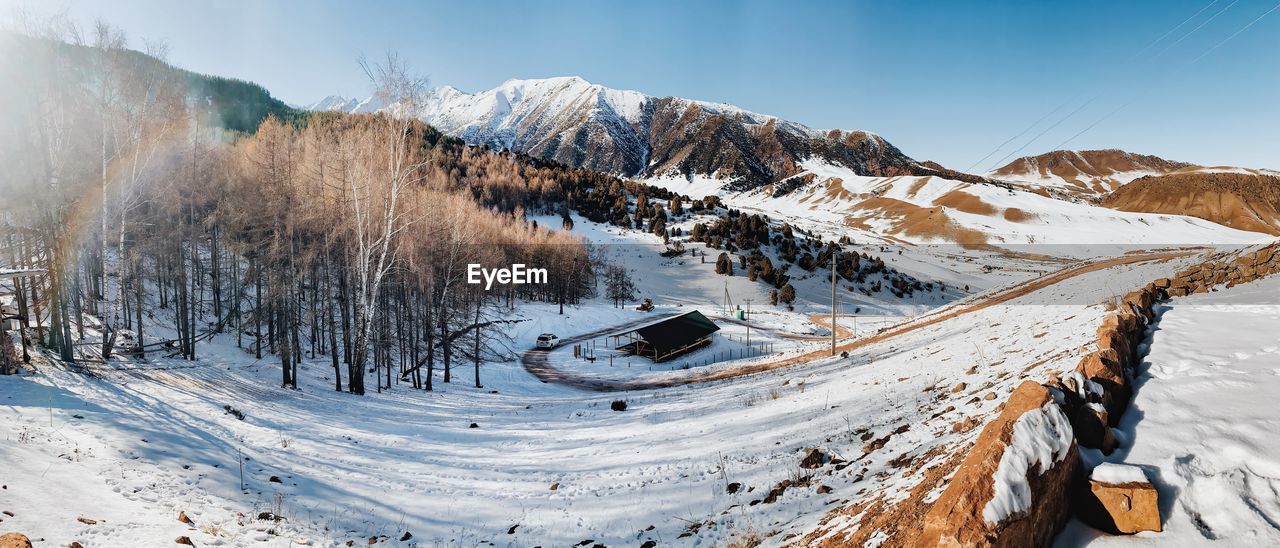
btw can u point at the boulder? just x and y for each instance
(1264, 255)
(975, 509)
(1103, 367)
(1092, 428)
(1114, 334)
(14, 540)
(1140, 301)
(1121, 500)
(815, 458)
(1163, 283)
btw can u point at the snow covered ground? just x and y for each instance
(1204, 420)
(135, 443)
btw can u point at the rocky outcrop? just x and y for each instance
(14, 540)
(1012, 489)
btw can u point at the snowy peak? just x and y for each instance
(632, 134)
(338, 103)
(332, 103)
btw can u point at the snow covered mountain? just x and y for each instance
(834, 182)
(337, 103)
(1085, 172)
(632, 134)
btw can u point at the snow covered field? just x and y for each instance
(134, 444)
(1204, 420)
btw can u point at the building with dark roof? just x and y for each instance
(668, 338)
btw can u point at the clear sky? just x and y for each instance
(947, 80)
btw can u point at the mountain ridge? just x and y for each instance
(632, 134)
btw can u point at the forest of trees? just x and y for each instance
(750, 235)
(335, 237)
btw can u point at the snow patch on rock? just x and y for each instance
(1041, 437)
(1109, 472)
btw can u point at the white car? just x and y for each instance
(548, 341)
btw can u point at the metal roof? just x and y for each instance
(673, 333)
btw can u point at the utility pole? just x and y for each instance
(833, 302)
(747, 316)
(728, 300)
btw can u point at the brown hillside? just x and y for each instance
(1242, 201)
(1087, 168)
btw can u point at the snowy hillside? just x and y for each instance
(834, 200)
(129, 445)
(1084, 173)
(1092, 173)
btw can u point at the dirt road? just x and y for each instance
(535, 361)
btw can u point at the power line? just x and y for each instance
(1023, 132)
(1046, 130)
(1091, 126)
(1176, 27)
(1059, 107)
(1200, 26)
(1242, 29)
(1178, 70)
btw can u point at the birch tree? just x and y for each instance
(392, 162)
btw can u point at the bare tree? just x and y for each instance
(392, 162)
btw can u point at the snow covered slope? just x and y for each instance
(1092, 173)
(134, 444)
(834, 200)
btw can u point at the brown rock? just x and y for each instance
(184, 540)
(959, 387)
(1113, 335)
(75, 544)
(1121, 507)
(965, 425)
(1162, 283)
(1264, 255)
(956, 518)
(555, 486)
(1140, 301)
(823, 489)
(14, 540)
(1091, 428)
(1103, 367)
(87, 521)
(815, 458)
(182, 516)
(990, 396)
(1103, 364)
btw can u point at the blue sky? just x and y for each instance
(946, 80)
